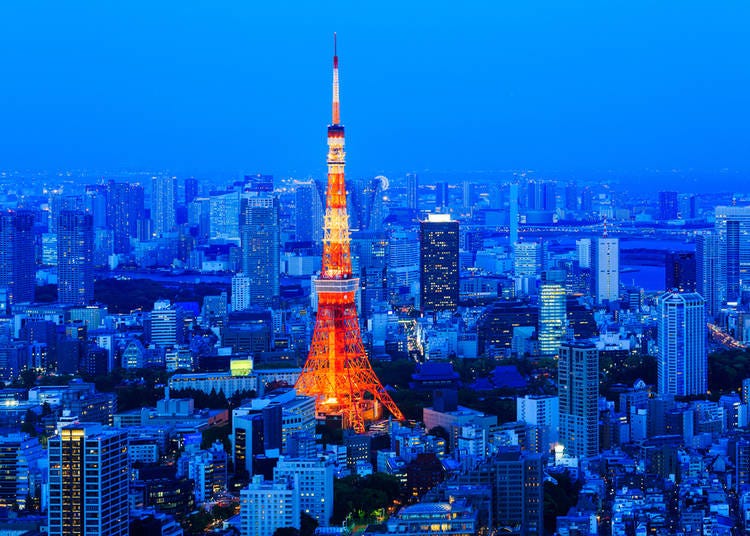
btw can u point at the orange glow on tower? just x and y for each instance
(337, 371)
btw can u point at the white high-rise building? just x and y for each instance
(88, 481)
(268, 505)
(681, 357)
(240, 292)
(583, 251)
(315, 485)
(607, 269)
(578, 391)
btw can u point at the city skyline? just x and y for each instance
(475, 350)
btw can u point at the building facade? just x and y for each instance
(75, 258)
(578, 384)
(88, 481)
(681, 357)
(438, 259)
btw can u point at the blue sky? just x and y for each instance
(203, 87)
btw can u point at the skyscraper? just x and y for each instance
(75, 258)
(680, 271)
(553, 320)
(17, 258)
(587, 199)
(583, 252)
(438, 260)
(668, 206)
(164, 204)
(259, 241)
(571, 196)
(681, 357)
(88, 481)
(125, 208)
(513, 213)
(607, 269)
(578, 384)
(412, 191)
(707, 272)
(733, 228)
(191, 190)
(308, 212)
(442, 195)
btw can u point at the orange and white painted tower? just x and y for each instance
(337, 371)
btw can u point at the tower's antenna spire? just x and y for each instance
(336, 119)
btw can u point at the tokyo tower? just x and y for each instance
(337, 371)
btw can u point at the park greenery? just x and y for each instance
(361, 496)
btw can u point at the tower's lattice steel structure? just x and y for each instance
(337, 371)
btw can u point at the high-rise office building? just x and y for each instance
(587, 199)
(681, 356)
(17, 258)
(438, 259)
(22, 462)
(166, 328)
(164, 204)
(308, 212)
(606, 257)
(442, 195)
(402, 270)
(75, 258)
(571, 196)
(527, 259)
(88, 481)
(583, 252)
(191, 190)
(578, 385)
(707, 271)
(541, 196)
(553, 320)
(315, 477)
(680, 271)
(513, 213)
(259, 240)
(125, 208)
(412, 191)
(467, 190)
(732, 225)
(224, 215)
(668, 206)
